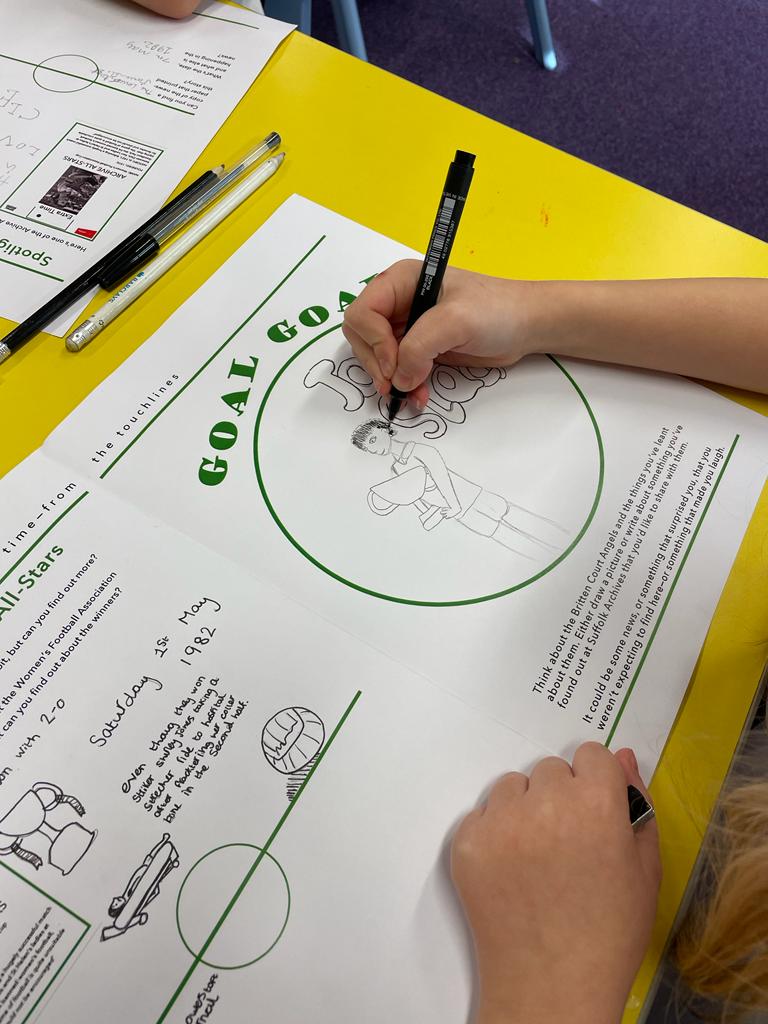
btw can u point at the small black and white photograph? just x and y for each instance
(73, 189)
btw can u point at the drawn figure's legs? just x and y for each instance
(506, 536)
(515, 539)
(515, 511)
(516, 528)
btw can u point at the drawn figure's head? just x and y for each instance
(116, 906)
(373, 436)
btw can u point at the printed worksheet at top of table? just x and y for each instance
(103, 109)
(201, 781)
(547, 541)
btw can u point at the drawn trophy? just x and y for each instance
(28, 816)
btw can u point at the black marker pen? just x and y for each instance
(439, 249)
(640, 811)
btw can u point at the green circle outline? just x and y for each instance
(235, 967)
(70, 74)
(407, 600)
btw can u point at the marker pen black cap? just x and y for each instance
(449, 212)
(118, 269)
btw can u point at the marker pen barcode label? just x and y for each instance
(438, 240)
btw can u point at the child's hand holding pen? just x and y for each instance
(473, 324)
(558, 889)
(708, 328)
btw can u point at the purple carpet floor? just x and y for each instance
(670, 94)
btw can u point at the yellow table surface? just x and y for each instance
(375, 148)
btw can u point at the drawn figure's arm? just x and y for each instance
(435, 465)
(429, 516)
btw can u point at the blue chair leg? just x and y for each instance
(542, 34)
(349, 28)
(298, 12)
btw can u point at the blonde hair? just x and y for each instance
(721, 950)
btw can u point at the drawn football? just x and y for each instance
(292, 738)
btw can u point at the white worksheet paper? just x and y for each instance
(258, 656)
(103, 108)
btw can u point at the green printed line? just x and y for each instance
(47, 895)
(227, 910)
(62, 906)
(103, 85)
(53, 71)
(43, 534)
(208, 361)
(30, 269)
(229, 21)
(406, 600)
(125, 138)
(146, 99)
(58, 227)
(61, 967)
(668, 598)
(42, 160)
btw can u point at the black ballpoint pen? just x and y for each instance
(139, 246)
(438, 251)
(90, 277)
(148, 244)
